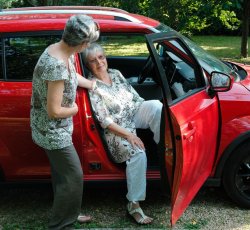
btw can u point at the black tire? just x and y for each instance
(236, 176)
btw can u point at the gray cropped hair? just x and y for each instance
(80, 29)
(91, 49)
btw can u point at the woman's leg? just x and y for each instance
(136, 183)
(67, 180)
(149, 116)
(136, 176)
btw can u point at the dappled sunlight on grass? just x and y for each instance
(217, 48)
(135, 49)
(240, 60)
(223, 47)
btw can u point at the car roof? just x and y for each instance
(54, 18)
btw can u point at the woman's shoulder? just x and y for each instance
(116, 74)
(114, 71)
(50, 68)
(48, 60)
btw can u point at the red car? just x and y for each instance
(205, 133)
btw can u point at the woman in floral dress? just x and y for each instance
(52, 107)
(120, 110)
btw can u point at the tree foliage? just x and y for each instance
(7, 3)
(187, 16)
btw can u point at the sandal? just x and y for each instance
(132, 211)
(83, 219)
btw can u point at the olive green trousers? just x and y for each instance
(67, 182)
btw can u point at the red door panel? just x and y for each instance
(20, 158)
(191, 115)
(195, 125)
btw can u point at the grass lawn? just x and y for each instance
(28, 208)
(223, 47)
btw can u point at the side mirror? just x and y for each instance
(220, 82)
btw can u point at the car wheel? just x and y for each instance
(236, 176)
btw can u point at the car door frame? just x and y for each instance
(172, 162)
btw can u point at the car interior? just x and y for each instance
(141, 73)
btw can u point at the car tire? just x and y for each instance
(236, 176)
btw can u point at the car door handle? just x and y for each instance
(190, 131)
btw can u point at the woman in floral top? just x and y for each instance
(120, 110)
(52, 106)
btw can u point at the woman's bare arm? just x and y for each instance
(54, 101)
(85, 83)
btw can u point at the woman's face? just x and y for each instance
(97, 63)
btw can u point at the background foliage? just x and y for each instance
(204, 17)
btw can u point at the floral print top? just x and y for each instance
(117, 103)
(46, 132)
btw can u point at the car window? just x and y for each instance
(22, 53)
(1, 60)
(179, 70)
(124, 45)
(125, 52)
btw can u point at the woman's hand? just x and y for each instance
(75, 107)
(135, 141)
(85, 83)
(130, 137)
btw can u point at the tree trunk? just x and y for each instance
(245, 28)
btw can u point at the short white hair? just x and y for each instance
(91, 49)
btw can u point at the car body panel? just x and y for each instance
(16, 142)
(234, 119)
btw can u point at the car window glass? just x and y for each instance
(175, 43)
(22, 54)
(124, 45)
(179, 71)
(1, 60)
(125, 52)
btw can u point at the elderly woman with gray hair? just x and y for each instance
(120, 110)
(52, 107)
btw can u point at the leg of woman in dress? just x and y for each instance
(149, 116)
(136, 184)
(136, 176)
(67, 180)
(136, 166)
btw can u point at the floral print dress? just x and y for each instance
(117, 103)
(46, 132)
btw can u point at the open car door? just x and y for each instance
(191, 115)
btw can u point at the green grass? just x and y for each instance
(28, 208)
(223, 47)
